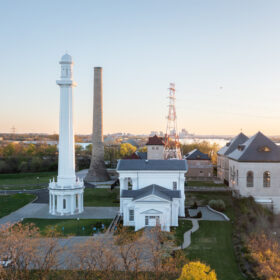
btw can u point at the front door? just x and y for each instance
(151, 221)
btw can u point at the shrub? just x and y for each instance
(198, 271)
(194, 206)
(218, 205)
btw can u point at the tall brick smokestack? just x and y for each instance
(97, 171)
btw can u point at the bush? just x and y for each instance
(194, 206)
(218, 205)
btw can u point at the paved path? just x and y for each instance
(187, 234)
(41, 211)
(207, 215)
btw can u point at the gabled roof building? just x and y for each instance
(254, 168)
(199, 165)
(152, 192)
(222, 159)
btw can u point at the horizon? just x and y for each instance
(223, 57)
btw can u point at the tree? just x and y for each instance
(127, 149)
(266, 254)
(197, 271)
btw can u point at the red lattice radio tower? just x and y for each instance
(172, 144)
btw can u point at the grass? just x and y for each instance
(212, 244)
(25, 180)
(10, 203)
(203, 198)
(204, 184)
(184, 225)
(69, 227)
(101, 197)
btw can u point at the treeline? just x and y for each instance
(18, 157)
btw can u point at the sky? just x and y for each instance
(222, 55)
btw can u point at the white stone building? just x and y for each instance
(254, 170)
(152, 192)
(66, 195)
(222, 156)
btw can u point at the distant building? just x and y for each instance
(199, 164)
(254, 167)
(222, 156)
(155, 148)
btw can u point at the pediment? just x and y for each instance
(151, 198)
(151, 211)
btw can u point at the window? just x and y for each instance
(264, 149)
(153, 147)
(156, 148)
(250, 179)
(174, 186)
(266, 179)
(237, 177)
(129, 183)
(64, 203)
(131, 215)
(146, 220)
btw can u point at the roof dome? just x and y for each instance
(66, 58)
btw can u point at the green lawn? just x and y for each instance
(101, 197)
(71, 226)
(10, 203)
(25, 180)
(184, 226)
(212, 244)
(204, 184)
(203, 198)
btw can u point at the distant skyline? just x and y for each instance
(223, 56)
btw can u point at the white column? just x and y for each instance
(80, 203)
(53, 203)
(50, 203)
(72, 204)
(66, 160)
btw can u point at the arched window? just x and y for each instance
(266, 179)
(250, 179)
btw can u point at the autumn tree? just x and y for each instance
(265, 252)
(27, 251)
(127, 149)
(197, 271)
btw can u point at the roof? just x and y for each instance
(155, 140)
(233, 144)
(142, 155)
(154, 164)
(258, 148)
(152, 190)
(196, 155)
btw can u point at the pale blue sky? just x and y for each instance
(201, 45)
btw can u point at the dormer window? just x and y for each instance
(227, 144)
(241, 147)
(264, 149)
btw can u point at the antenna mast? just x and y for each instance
(172, 144)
